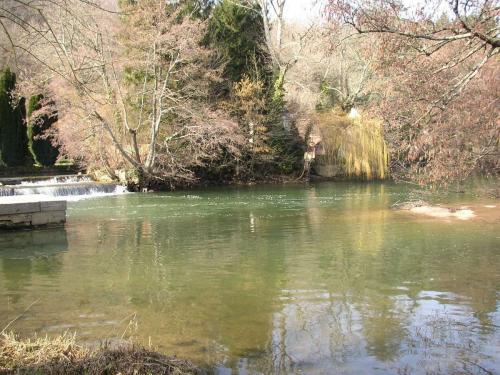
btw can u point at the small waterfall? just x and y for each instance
(51, 189)
(58, 180)
(6, 191)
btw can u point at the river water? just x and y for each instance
(318, 279)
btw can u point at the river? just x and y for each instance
(317, 279)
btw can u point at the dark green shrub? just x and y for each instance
(13, 135)
(41, 144)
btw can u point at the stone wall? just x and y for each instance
(32, 214)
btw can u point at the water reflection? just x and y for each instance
(272, 280)
(24, 254)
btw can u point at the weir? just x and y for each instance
(79, 189)
(45, 180)
(39, 202)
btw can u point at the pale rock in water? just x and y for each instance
(442, 212)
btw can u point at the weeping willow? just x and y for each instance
(357, 146)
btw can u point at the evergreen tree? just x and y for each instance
(13, 135)
(236, 31)
(22, 135)
(41, 144)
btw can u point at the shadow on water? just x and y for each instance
(319, 280)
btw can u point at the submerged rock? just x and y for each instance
(424, 208)
(444, 212)
(409, 205)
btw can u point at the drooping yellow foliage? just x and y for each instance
(357, 145)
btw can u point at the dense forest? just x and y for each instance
(176, 93)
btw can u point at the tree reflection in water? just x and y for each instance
(274, 280)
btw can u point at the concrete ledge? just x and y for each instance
(53, 206)
(31, 214)
(19, 208)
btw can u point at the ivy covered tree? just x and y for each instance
(13, 135)
(41, 117)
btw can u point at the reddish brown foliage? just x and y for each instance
(437, 83)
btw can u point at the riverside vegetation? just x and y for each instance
(202, 91)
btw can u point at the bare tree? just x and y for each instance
(472, 32)
(285, 45)
(136, 80)
(348, 69)
(436, 89)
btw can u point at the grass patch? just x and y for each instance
(62, 355)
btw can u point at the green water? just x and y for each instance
(319, 279)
